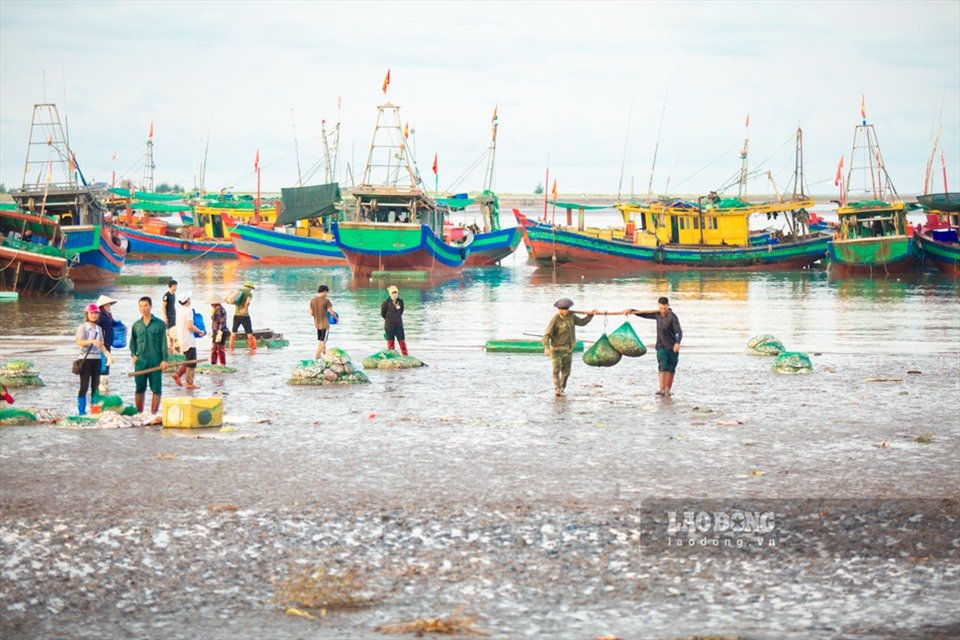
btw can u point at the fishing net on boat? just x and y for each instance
(765, 345)
(17, 416)
(390, 359)
(602, 353)
(19, 373)
(625, 340)
(334, 367)
(792, 362)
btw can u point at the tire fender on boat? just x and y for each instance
(185, 246)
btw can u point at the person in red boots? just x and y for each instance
(218, 331)
(391, 310)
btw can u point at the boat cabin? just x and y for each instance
(872, 219)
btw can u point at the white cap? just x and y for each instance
(183, 296)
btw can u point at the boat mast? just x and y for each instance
(656, 148)
(388, 138)
(486, 204)
(336, 144)
(46, 132)
(327, 167)
(865, 157)
(203, 167)
(743, 158)
(148, 166)
(296, 148)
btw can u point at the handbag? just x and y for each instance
(77, 364)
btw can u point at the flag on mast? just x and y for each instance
(386, 81)
(406, 130)
(435, 164)
(49, 172)
(150, 133)
(839, 176)
(747, 123)
(495, 114)
(256, 161)
(554, 190)
(863, 107)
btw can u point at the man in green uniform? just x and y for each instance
(559, 339)
(148, 347)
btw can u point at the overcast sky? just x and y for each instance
(563, 74)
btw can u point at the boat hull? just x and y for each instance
(99, 260)
(262, 246)
(488, 249)
(945, 256)
(557, 246)
(370, 246)
(152, 246)
(872, 256)
(31, 273)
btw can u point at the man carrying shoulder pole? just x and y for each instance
(669, 335)
(559, 340)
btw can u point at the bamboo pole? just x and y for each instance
(152, 369)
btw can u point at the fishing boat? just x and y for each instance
(670, 234)
(80, 213)
(32, 260)
(873, 237)
(937, 239)
(300, 237)
(393, 225)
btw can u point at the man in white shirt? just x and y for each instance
(186, 331)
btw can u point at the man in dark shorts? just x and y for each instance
(241, 316)
(170, 313)
(669, 335)
(320, 305)
(148, 347)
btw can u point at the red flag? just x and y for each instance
(836, 178)
(406, 131)
(150, 134)
(73, 161)
(49, 141)
(434, 164)
(386, 81)
(863, 106)
(256, 161)
(554, 190)
(747, 123)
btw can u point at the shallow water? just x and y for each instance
(477, 433)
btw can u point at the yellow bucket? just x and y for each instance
(191, 413)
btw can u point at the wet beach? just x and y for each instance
(467, 484)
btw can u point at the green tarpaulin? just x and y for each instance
(308, 202)
(147, 195)
(158, 206)
(456, 203)
(576, 205)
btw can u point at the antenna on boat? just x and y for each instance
(623, 163)
(336, 143)
(203, 166)
(663, 112)
(487, 202)
(666, 189)
(327, 167)
(928, 173)
(296, 147)
(743, 157)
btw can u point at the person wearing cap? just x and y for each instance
(90, 340)
(218, 331)
(559, 339)
(241, 316)
(105, 322)
(148, 349)
(320, 306)
(391, 310)
(188, 341)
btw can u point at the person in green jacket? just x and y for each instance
(559, 339)
(148, 347)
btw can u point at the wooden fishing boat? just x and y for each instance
(672, 238)
(32, 261)
(153, 242)
(391, 226)
(300, 238)
(490, 247)
(80, 213)
(937, 239)
(873, 237)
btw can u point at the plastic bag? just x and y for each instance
(626, 341)
(602, 353)
(119, 335)
(198, 323)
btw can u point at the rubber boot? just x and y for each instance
(81, 405)
(252, 341)
(403, 347)
(104, 385)
(233, 338)
(390, 345)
